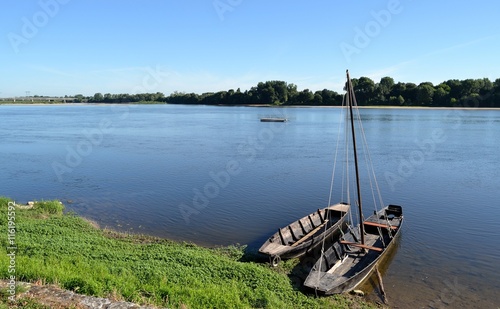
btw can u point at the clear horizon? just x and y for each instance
(68, 47)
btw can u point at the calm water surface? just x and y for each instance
(218, 176)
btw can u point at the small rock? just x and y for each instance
(95, 302)
(28, 205)
(358, 292)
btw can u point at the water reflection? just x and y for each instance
(371, 285)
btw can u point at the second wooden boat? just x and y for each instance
(348, 262)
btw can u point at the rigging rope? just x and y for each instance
(351, 181)
(346, 179)
(331, 190)
(374, 187)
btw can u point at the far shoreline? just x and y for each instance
(255, 105)
(388, 107)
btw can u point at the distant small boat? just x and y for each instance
(273, 119)
(305, 234)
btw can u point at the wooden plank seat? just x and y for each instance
(308, 235)
(380, 225)
(355, 244)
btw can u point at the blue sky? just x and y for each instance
(67, 47)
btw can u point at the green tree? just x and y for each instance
(280, 90)
(469, 86)
(496, 85)
(78, 98)
(98, 97)
(455, 89)
(108, 98)
(424, 94)
(384, 88)
(470, 92)
(330, 97)
(292, 93)
(397, 101)
(268, 95)
(495, 97)
(410, 94)
(441, 95)
(365, 90)
(305, 97)
(317, 99)
(159, 97)
(398, 90)
(486, 86)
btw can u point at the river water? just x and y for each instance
(218, 176)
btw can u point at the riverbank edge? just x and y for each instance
(49, 294)
(38, 295)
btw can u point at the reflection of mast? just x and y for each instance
(371, 284)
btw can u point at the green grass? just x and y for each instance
(67, 250)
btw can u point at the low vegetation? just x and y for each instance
(61, 248)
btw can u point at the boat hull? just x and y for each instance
(305, 234)
(335, 273)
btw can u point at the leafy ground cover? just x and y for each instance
(64, 249)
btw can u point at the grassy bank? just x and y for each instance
(67, 250)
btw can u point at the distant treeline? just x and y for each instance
(451, 93)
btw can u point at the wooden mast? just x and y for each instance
(350, 99)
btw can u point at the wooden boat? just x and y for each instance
(351, 259)
(348, 262)
(305, 234)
